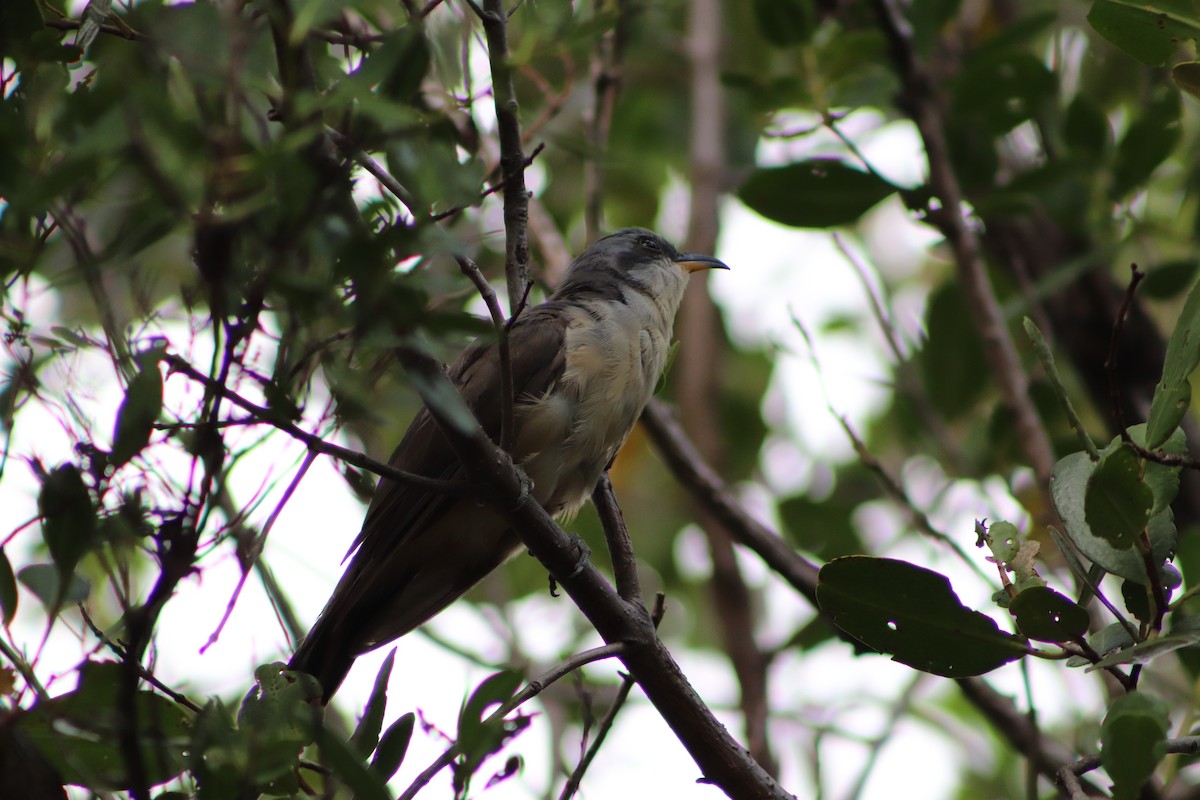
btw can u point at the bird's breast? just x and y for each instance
(615, 353)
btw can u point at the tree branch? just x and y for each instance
(512, 159)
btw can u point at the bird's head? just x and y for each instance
(632, 256)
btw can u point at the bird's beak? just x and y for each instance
(694, 262)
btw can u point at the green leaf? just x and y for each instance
(998, 90)
(818, 193)
(1108, 640)
(1147, 143)
(1173, 394)
(951, 360)
(1047, 616)
(1169, 279)
(69, 520)
(393, 746)
(479, 738)
(45, 581)
(8, 590)
(349, 768)
(1150, 32)
(366, 735)
(785, 22)
(138, 413)
(277, 719)
(912, 613)
(1118, 501)
(1131, 741)
(79, 732)
(1086, 128)
(1069, 482)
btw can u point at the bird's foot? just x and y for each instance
(585, 554)
(526, 488)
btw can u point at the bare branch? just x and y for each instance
(512, 159)
(620, 548)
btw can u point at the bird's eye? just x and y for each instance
(651, 244)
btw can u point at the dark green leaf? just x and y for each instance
(8, 590)
(350, 769)
(45, 582)
(785, 22)
(276, 720)
(818, 193)
(478, 737)
(951, 360)
(1150, 32)
(1169, 279)
(69, 520)
(397, 67)
(138, 413)
(912, 613)
(1069, 487)
(1131, 741)
(1045, 615)
(495, 690)
(928, 20)
(79, 732)
(1086, 129)
(1173, 394)
(1118, 501)
(366, 735)
(1000, 90)
(1147, 143)
(393, 746)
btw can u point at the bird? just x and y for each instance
(584, 363)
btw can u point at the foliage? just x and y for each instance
(222, 225)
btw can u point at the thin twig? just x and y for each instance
(575, 779)
(373, 167)
(512, 159)
(1110, 363)
(507, 432)
(257, 547)
(146, 674)
(317, 444)
(531, 690)
(620, 548)
(120, 31)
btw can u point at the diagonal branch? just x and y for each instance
(721, 759)
(950, 219)
(710, 493)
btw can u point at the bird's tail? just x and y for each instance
(324, 655)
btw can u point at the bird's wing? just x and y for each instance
(536, 347)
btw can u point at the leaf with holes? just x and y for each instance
(913, 614)
(1047, 616)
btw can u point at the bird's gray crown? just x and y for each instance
(611, 259)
